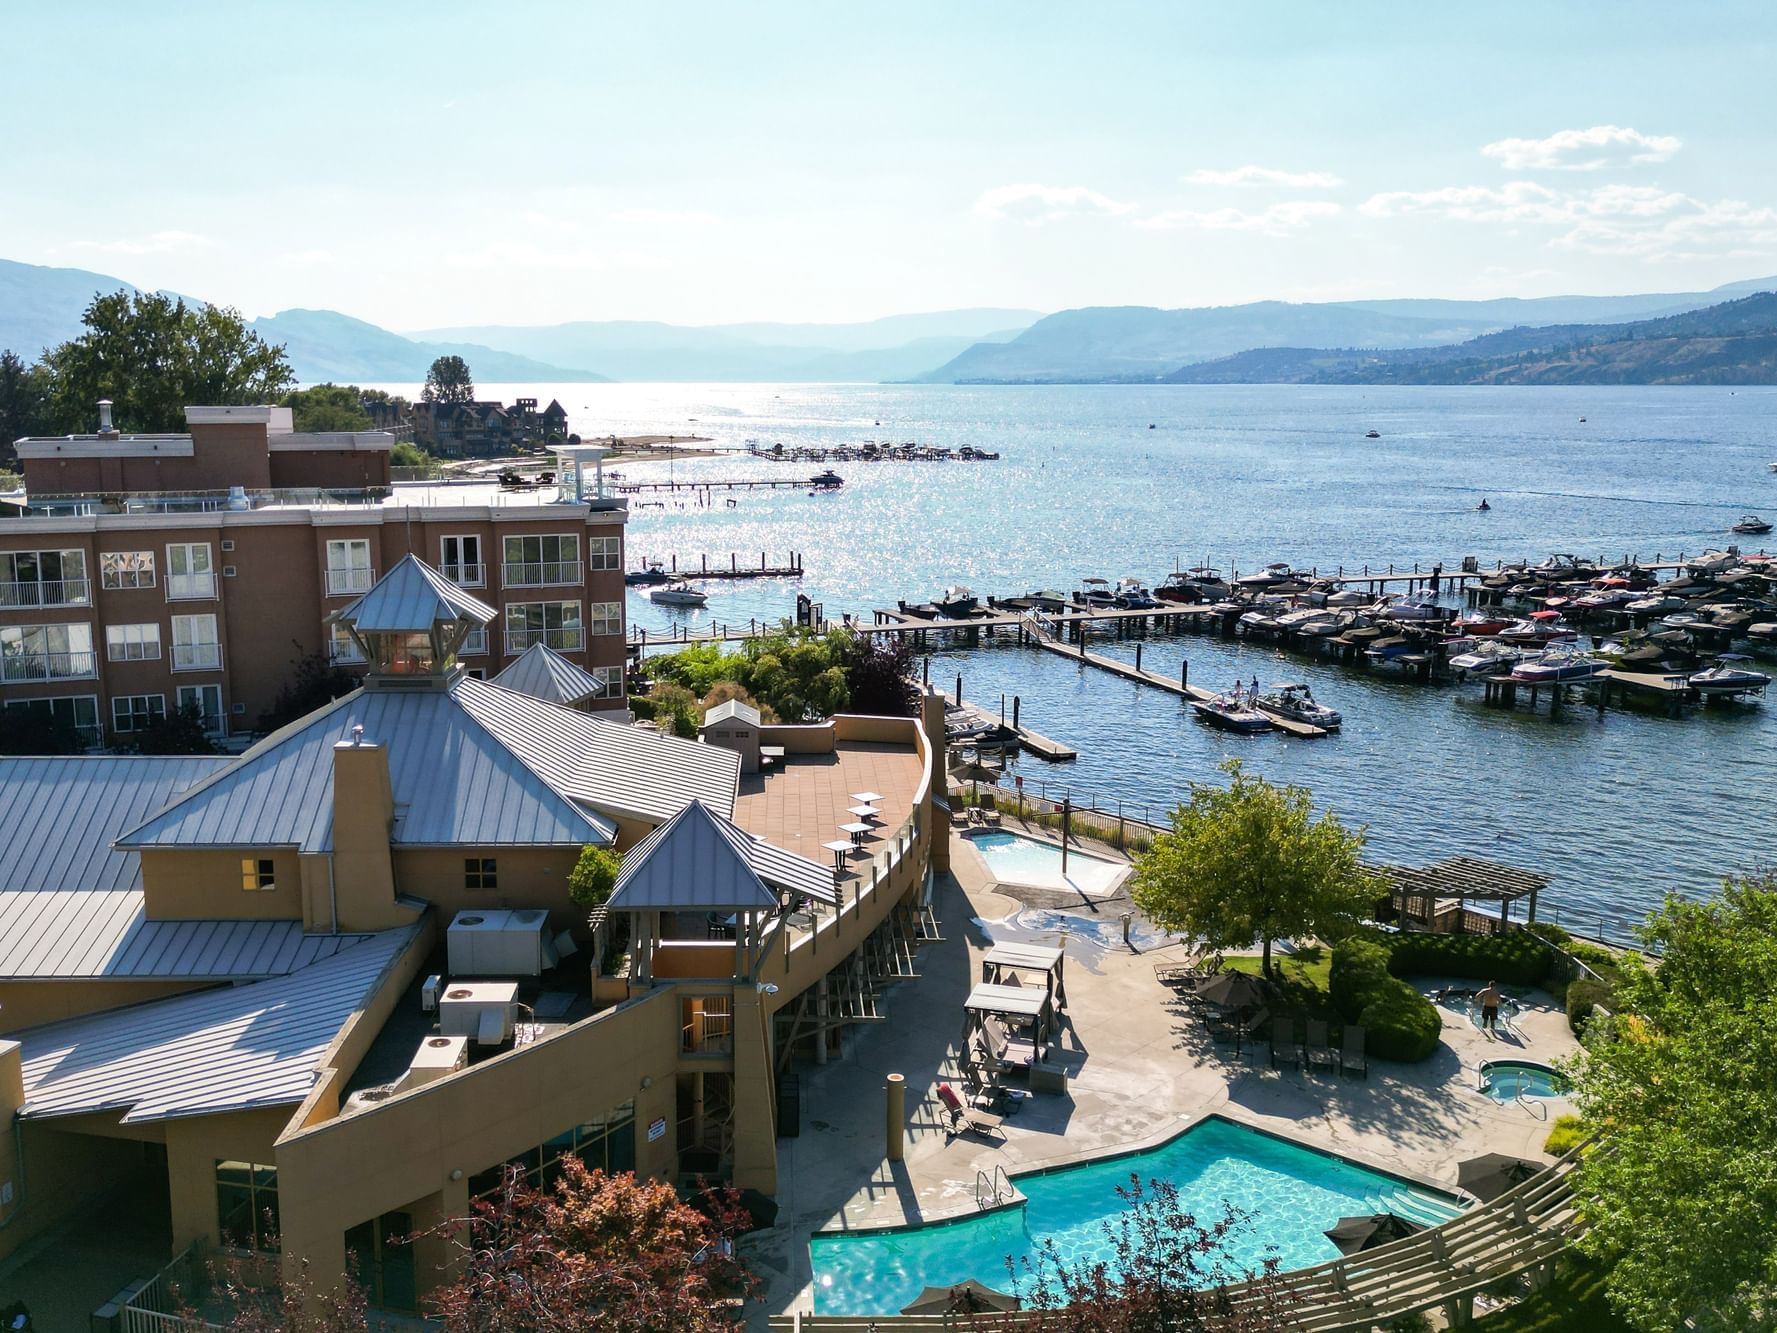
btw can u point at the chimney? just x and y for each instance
(105, 426)
(363, 896)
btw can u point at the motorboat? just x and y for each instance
(1421, 605)
(1202, 584)
(1130, 595)
(1310, 622)
(1483, 507)
(1491, 657)
(1098, 593)
(678, 594)
(1479, 625)
(1296, 702)
(1712, 562)
(1751, 525)
(826, 481)
(1268, 577)
(1386, 650)
(1539, 627)
(1682, 619)
(652, 572)
(1561, 565)
(1658, 604)
(1047, 599)
(1349, 597)
(1728, 677)
(1372, 435)
(1231, 713)
(1605, 599)
(1558, 667)
(1765, 631)
(955, 602)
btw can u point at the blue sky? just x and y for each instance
(429, 164)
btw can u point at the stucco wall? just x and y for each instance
(26, 1004)
(178, 885)
(527, 877)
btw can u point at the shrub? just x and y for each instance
(1359, 973)
(1515, 958)
(1582, 998)
(1399, 1023)
(594, 876)
(1567, 1131)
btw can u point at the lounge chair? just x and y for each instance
(1285, 1050)
(1004, 1049)
(1175, 974)
(992, 817)
(1251, 1026)
(1351, 1055)
(1319, 1051)
(964, 1118)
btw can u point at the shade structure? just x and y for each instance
(970, 1297)
(1355, 1234)
(1234, 990)
(1492, 1174)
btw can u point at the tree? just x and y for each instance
(448, 381)
(724, 690)
(1680, 1193)
(27, 731)
(598, 1252)
(879, 676)
(1250, 862)
(405, 453)
(594, 876)
(325, 407)
(181, 731)
(153, 355)
(24, 391)
(315, 681)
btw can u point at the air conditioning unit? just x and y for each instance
(429, 990)
(497, 943)
(482, 1011)
(436, 1057)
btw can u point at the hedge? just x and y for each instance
(1398, 1022)
(1515, 959)
(1582, 998)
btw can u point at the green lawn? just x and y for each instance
(1573, 1303)
(1307, 976)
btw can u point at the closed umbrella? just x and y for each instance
(1492, 1174)
(1355, 1234)
(969, 1297)
(1234, 990)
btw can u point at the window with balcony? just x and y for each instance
(556, 624)
(604, 618)
(460, 561)
(542, 562)
(191, 575)
(44, 578)
(132, 643)
(604, 553)
(610, 679)
(136, 712)
(474, 643)
(76, 715)
(47, 652)
(126, 569)
(348, 568)
(195, 645)
(206, 700)
(342, 648)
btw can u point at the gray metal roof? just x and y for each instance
(456, 780)
(732, 709)
(230, 1049)
(412, 597)
(698, 861)
(545, 674)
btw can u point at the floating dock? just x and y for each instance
(1034, 741)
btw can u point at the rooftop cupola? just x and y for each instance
(411, 625)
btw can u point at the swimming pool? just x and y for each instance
(1013, 858)
(1507, 1080)
(1293, 1193)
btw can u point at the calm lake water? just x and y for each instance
(1617, 808)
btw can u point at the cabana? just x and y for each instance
(1436, 897)
(1028, 1011)
(1005, 962)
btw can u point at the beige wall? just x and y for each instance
(527, 877)
(194, 1146)
(180, 885)
(63, 1173)
(26, 1004)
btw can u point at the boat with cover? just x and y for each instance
(1556, 667)
(1421, 605)
(1202, 584)
(1231, 713)
(1296, 702)
(827, 480)
(1539, 627)
(955, 602)
(1727, 676)
(1098, 593)
(652, 572)
(1132, 596)
(678, 594)
(1269, 577)
(1490, 657)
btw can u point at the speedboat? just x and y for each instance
(1765, 631)
(1751, 525)
(1712, 562)
(1047, 599)
(1539, 627)
(1372, 435)
(1479, 625)
(1558, 666)
(1727, 678)
(652, 572)
(1202, 584)
(1310, 622)
(1421, 605)
(955, 602)
(1132, 596)
(826, 480)
(1604, 599)
(1231, 713)
(1296, 702)
(1348, 597)
(678, 594)
(1492, 657)
(1268, 577)
(1386, 650)
(1098, 593)
(1658, 604)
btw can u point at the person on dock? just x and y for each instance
(1489, 1001)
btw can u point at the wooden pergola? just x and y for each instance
(1436, 897)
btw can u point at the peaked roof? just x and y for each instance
(732, 709)
(545, 674)
(219, 1050)
(699, 861)
(412, 597)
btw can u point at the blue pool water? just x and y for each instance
(1505, 1080)
(1016, 859)
(1292, 1193)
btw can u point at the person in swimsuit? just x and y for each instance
(1489, 999)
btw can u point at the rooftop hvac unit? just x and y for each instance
(436, 1057)
(483, 1011)
(497, 943)
(429, 990)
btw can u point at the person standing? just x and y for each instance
(1489, 999)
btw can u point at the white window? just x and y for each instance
(44, 578)
(554, 623)
(342, 648)
(132, 643)
(348, 568)
(79, 713)
(207, 699)
(461, 562)
(136, 712)
(610, 681)
(126, 569)
(190, 574)
(604, 618)
(195, 645)
(604, 553)
(474, 643)
(47, 652)
(542, 562)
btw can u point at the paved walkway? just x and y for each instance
(1139, 1070)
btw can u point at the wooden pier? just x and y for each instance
(1034, 741)
(732, 570)
(727, 484)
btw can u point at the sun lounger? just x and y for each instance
(1285, 1050)
(992, 817)
(1317, 1048)
(1351, 1056)
(964, 1119)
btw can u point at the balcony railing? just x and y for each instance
(46, 592)
(191, 587)
(48, 666)
(197, 656)
(465, 575)
(474, 643)
(349, 582)
(540, 573)
(562, 640)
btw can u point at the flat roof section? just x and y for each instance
(801, 805)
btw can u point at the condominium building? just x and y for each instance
(144, 573)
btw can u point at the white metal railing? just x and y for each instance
(197, 656)
(562, 640)
(46, 592)
(465, 574)
(345, 582)
(191, 587)
(48, 666)
(540, 573)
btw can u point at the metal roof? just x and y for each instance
(412, 597)
(456, 781)
(230, 1049)
(732, 709)
(697, 861)
(545, 674)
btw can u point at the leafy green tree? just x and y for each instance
(28, 731)
(325, 407)
(153, 355)
(24, 392)
(594, 876)
(1250, 862)
(1680, 1194)
(179, 732)
(405, 453)
(448, 381)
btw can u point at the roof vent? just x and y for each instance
(357, 733)
(105, 426)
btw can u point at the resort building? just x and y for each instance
(319, 994)
(140, 574)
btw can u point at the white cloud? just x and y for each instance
(1251, 175)
(1583, 150)
(158, 243)
(1037, 204)
(1520, 201)
(1277, 220)
(669, 217)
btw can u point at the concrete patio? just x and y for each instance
(1140, 1068)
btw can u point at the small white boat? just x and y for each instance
(1231, 712)
(1658, 604)
(1271, 575)
(1558, 667)
(1491, 657)
(678, 594)
(1713, 562)
(1725, 677)
(1296, 702)
(1310, 622)
(1421, 605)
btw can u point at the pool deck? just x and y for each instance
(1140, 1070)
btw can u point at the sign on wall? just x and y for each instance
(657, 1129)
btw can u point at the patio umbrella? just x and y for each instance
(1492, 1174)
(1355, 1234)
(973, 770)
(969, 1297)
(1234, 990)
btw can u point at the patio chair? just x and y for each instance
(965, 1119)
(1285, 1049)
(1317, 1048)
(1351, 1054)
(1252, 1025)
(992, 817)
